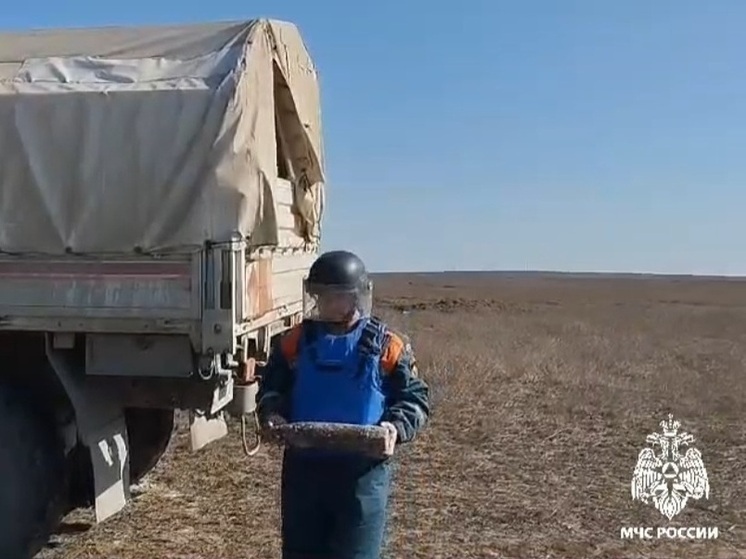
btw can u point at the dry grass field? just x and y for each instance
(543, 387)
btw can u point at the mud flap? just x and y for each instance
(110, 460)
(205, 430)
(101, 427)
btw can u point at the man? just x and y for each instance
(340, 365)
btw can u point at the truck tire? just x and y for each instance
(32, 473)
(149, 431)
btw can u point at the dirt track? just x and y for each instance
(544, 390)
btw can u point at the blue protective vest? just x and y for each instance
(338, 377)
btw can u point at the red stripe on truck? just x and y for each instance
(95, 270)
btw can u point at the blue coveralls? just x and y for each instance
(334, 504)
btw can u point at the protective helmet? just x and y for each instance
(338, 272)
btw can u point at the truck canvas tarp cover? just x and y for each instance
(123, 140)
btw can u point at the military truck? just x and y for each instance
(161, 194)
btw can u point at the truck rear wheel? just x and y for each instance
(32, 473)
(149, 432)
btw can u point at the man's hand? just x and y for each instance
(269, 424)
(391, 437)
(275, 420)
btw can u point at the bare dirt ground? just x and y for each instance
(544, 388)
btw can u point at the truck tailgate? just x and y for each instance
(74, 294)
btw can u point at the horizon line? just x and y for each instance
(566, 273)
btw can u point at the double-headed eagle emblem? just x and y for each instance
(668, 478)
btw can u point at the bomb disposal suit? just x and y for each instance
(340, 365)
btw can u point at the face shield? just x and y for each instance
(330, 303)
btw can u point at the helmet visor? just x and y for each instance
(336, 304)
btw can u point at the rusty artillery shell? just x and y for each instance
(366, 439)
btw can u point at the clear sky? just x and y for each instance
(595, 135)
